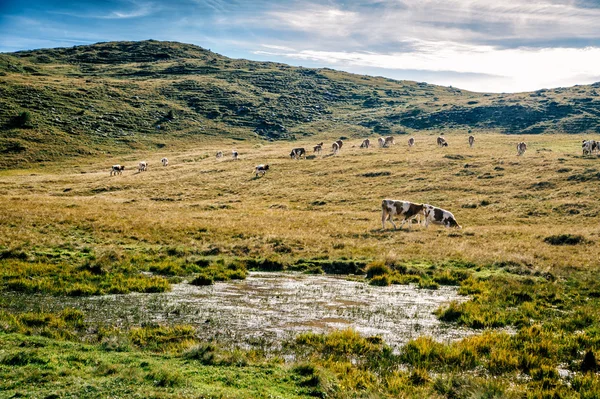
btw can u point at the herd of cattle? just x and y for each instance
(405, 210)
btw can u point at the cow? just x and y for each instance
(389, 140)
(521, 148)
(441, 142)
(436, 215)
(586, 146)
(411, 141)
(142, 166)
(335, 147)
(219, 154)
(404, 209)
(381, 142)
(318, 148)
(471, 141)
(117, 169)
(298, 153)
(261, 169)
(366, 143)
(234, 155)
(590, 146)
(164, 161)
(340, 143)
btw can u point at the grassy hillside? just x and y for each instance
(123, 96)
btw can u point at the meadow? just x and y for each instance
(527, 256)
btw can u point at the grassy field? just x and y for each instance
(527, 254)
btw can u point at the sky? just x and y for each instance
(480, 45)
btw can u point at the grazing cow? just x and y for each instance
(381, 142)
(261, 169)
(366, 143)
(521, 148)
(586, 146)
(590, 146)
(404, 209)
(471, 141)
(389, 140)
(318, 148)
(439, 216)
(298, 153)
(441, 142)
(117, 169)
(164, 161)
(335, 147)
(411, 141)
(234, 154)
(143, 166)
(219, 154)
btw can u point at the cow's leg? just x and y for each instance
(392, 221)
(383, 218)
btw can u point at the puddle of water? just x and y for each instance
(267, 308)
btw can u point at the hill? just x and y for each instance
(122, 96)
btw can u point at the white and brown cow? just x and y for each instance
(318, 148)
(411, 141)
(340, 143)
(298, 153)
(165, 161)
(366, 143)
(441, 142)
(521, 148)
(261, 169)
(142, 166)
(335, 147)
(405, 210)
(219, 154)
(117, 170)
(441, 216)
(381, 142)
(388, 141)
(471, 141)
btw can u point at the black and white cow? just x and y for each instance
(261, 169)
(405, 210)
(436, 215)
(117, 169)
(298, 153)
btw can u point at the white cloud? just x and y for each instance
(519, 69)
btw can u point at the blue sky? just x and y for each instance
(481, 45)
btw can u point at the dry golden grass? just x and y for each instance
(319, 207)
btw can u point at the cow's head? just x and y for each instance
(451, 222)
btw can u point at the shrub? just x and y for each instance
(565, 239)
(382, 280)
(377, 269)
(22, 120)
(202, 279)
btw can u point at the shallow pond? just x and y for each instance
(267, 308)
